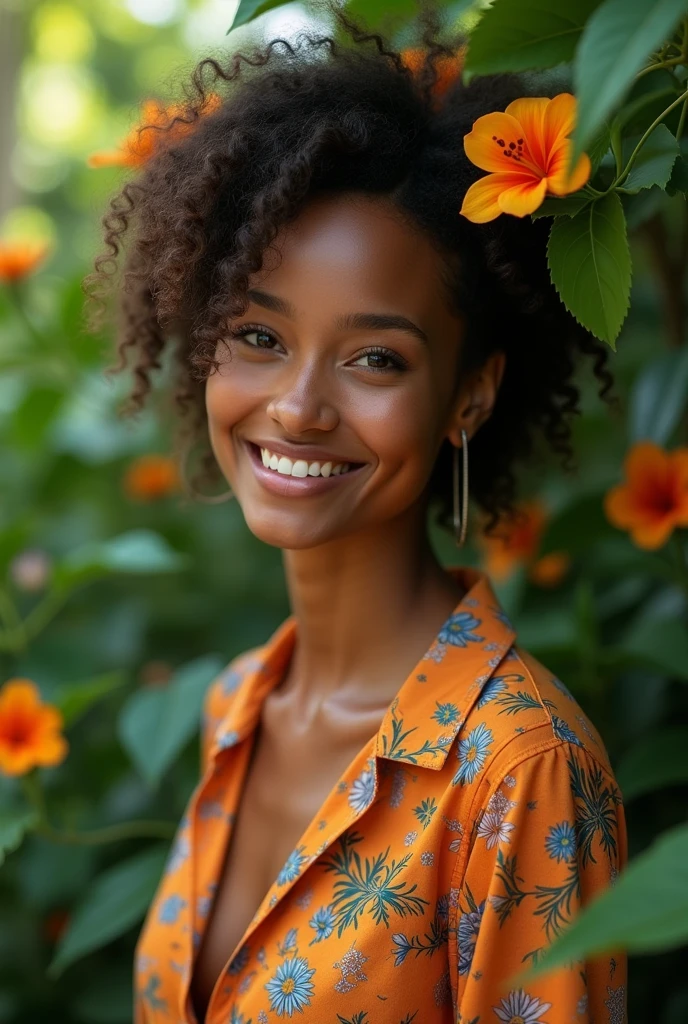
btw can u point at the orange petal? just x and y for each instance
(530, 112)
(16, 760)
(647, 465)
(557, 180)
(620, 507)
(19, 695)
(654, 534)
(482, 144)
(51, 750)
(559, 120)
(524, 197)
(50, 720)
(480, 203)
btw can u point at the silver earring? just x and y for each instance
(461, 523)
(207, 499)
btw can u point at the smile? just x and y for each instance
(299, 467)
(296, 478)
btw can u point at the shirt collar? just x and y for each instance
(432, 703)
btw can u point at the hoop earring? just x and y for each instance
(461, 523)
(206, 499)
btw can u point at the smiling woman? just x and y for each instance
(399, 807)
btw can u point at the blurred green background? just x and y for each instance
(122, 599)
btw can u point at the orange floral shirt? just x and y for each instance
(459, 843)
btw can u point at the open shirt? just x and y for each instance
(459, 843)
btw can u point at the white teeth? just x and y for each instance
(301, 468)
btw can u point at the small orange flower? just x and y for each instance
(29, 730)
(448, 68)
(139, 145)
(156, 673)
(526, 148)
(19, 259)
(654, 499)
(517, 543)
(150, 477)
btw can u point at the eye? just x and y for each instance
(381, 354)
(246, 330)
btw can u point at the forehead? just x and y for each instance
(355, 252)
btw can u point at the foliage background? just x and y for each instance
(139, 627)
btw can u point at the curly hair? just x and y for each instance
(324, 115)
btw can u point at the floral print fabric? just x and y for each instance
(459, 843)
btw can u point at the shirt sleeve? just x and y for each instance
(549, 838)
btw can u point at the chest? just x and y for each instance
(284, 788)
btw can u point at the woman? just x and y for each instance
(399, 808)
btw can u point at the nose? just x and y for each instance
(301, 402)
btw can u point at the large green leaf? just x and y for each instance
(616, 42)
(34, 415)
(654, 161)
(75, 699)
(590, 264)
(564, 206)
(525, 35)
(250, 9)
(657, 760)
(157, 722)
(658, 643)
(137, 551)
(645, 911)
(14, 824)
(116, 901)
(658, 398)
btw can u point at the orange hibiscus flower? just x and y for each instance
(654, 499)
(518, 543)
(150, 477)
(141, 142)
(19, 259)
(29, 730)
(448, 68)
(526, 148)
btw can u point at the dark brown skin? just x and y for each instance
(364, 583)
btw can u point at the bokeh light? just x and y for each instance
(62, 33)
(61, 104)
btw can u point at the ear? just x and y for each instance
(476, 399)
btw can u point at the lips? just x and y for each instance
(294, 486)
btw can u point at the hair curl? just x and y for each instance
(322, 115)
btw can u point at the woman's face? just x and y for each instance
(348, 355)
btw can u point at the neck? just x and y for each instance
(367, 607)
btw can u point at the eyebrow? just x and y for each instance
(347, 321)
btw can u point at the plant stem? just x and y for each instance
(682, 120)
(145, 828)
(631, 160)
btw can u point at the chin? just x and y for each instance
(289, 536)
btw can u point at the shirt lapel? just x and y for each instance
(418, 728)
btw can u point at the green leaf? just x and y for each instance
(157, 722)
(578, 526)
(75, 699)
(116, 901)
(660, 644)
(654, 761)
(375, 13)
(14, 824)
(645, 911)
(658, 398)
(525, 35)
(616, 42)
(566, 206)
(654, 161)
(249, 10)
(590, 264)
(137, 551)
(35, 413)
(679, 176)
